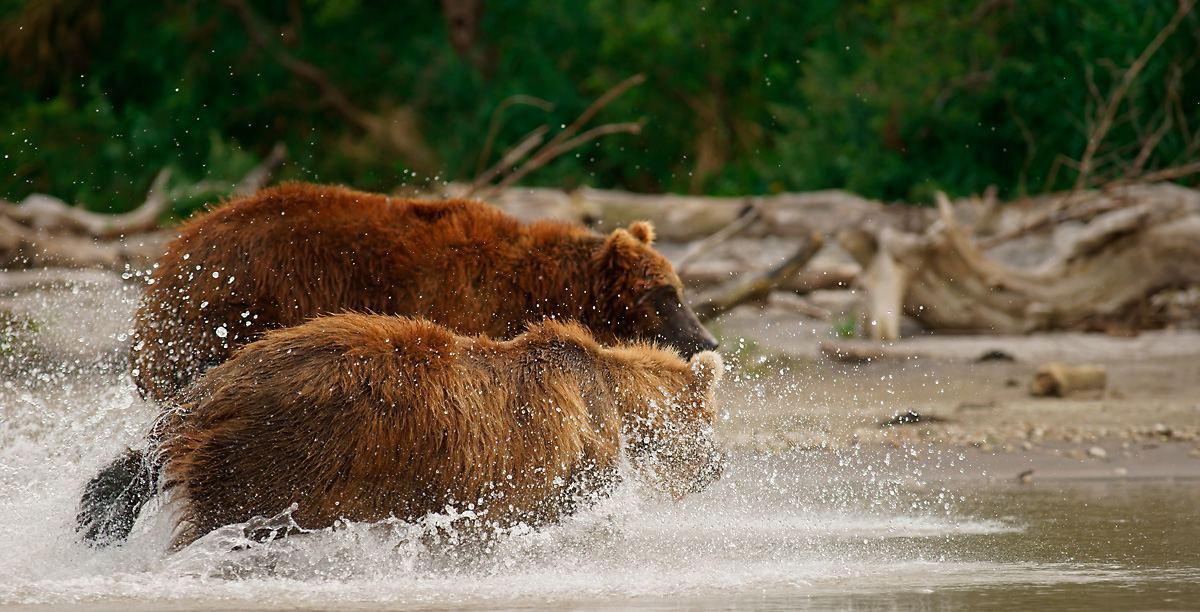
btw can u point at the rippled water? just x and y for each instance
(793, 530)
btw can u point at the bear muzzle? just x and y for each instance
(678, 326)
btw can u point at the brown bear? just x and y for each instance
(286, 254)
(365, 417)
(290, 253)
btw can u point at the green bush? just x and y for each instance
(888, 98)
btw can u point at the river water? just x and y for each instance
(797, 529)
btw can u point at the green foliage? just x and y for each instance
(888, 98)
(845, 327)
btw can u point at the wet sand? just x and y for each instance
(783, 393)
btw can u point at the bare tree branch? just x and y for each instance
(1108, 108)
(530, 142)
(494, 127)
(1170, 174)
(331, 96)
(262, 173)
(595, 107)
(403, 138)
(562, 142)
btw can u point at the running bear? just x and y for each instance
(290, 253)
(364, 417)
(287, 254)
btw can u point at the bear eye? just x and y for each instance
(662, 299)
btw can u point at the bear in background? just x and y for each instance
(364, 417)
(286, 254)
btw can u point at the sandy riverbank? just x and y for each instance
(783, 395)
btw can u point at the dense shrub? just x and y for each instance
(889, 98)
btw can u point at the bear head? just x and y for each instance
(640, 296)
(668, 422)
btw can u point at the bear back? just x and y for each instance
(293, 252)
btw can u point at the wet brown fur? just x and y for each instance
(286, 254)
(365, 417)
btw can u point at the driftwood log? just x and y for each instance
(43, 231)
(1061, 380)
(758, 286)
(1100, 255)
(1145, 240)
(1086, 260)
(684, 219)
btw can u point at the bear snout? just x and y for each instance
(678, 326)
(688, 342)
(703, 341)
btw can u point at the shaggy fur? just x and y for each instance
(365, 417)
(286, 254)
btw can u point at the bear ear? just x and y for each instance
(620, 243)
(643, 231)
(707, 366)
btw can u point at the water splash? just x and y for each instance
(804, 522)
(768, 524)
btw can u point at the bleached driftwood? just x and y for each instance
(1101, 278)
(43, 231)
(757, 287)
(1060, 379)
(680, 218)
(814, 277)
(41, 212)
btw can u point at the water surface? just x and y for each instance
(795, 529)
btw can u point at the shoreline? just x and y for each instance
(782, 394)
(933, 464)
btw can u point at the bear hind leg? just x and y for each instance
(113, 498)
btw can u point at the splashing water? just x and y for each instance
(793, 529)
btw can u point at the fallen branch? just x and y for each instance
(22, 247)
(757, 287)
(684, 218)
(45, 213)
(831, 275)
(1061, 380)
(44, 231)
(699, 247)
(1070, 208)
